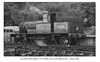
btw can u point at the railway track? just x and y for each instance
(50, 50)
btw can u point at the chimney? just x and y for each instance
(45, 16)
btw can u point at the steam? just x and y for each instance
(35, 9)
(40, 43)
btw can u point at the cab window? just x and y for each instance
(7, 30)
(10, 30)
(4, 30)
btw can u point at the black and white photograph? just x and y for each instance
(49, 29)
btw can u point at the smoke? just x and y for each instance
(35, 9)
(40, 43)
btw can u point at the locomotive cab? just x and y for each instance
(8, 30)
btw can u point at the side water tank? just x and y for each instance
(26, 27)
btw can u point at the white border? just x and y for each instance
(81, 59)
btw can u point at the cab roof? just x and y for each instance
(12, 27)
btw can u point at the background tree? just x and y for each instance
(16, 12)
(89, 11)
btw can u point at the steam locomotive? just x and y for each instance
(57, 29)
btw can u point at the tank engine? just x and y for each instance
(57, 30)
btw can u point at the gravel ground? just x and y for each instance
(11, 49)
